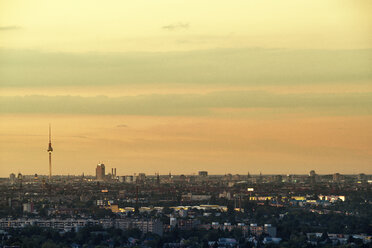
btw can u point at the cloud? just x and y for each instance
(78, 136)
(9, 28)
(122, 125)
(23, 135)
(247, 67)
(176, 26)
(191, 104)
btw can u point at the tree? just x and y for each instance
(49, 244)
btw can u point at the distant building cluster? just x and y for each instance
(66, 225)
(252, 205)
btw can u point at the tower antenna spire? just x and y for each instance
(50, 150)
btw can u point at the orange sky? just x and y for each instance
(280, 144)
(180, 86)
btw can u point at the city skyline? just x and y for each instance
(193, 174)
(184, 124)
(180, 87)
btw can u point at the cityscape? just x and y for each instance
(202, 210)
(187, 210)
(186, 124)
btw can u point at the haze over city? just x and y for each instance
(183, 86)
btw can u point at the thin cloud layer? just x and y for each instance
(122, 125)
(176, 26)
(206, 67)
(9, 28)
(190, 104)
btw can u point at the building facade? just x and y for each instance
(100, 172)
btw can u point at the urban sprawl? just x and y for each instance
(107, 210)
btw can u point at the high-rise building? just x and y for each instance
(141, 177)
(12, 178)
(157, 179)
(203, 173)
(100, 172)
(313, 177)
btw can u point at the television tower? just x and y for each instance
(50, 149)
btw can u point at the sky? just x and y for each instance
(278, 87)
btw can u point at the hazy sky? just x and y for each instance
(181, 86)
